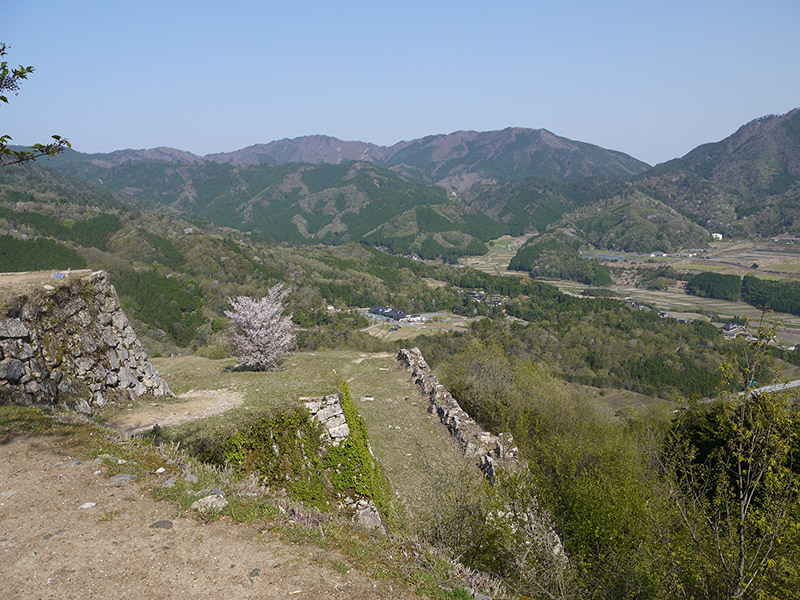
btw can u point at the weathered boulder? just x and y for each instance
(214, 503)
(11, 369)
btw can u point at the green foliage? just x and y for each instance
(351, 467)
(92, 232)
(659, 278)
(783, 295)
(714, 285)
(634, 222)
(604, 342)
(558, 257)
(165, 251)
(736, 489)
(284, 450)
(37, 254)
(169, 304)
(586, 469)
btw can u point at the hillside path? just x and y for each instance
(67, 533)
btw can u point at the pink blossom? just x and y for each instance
(260, 336)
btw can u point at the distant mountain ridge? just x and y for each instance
(442, 195)
(456, 160)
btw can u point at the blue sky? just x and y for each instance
(653, 79)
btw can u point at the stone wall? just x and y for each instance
(70, 344)
(327, 410)
(490, 451)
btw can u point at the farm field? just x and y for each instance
(434, 323)
(501, 251)
(765, 259)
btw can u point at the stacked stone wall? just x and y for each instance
(70, 344)
(490, 451)
(327, 410)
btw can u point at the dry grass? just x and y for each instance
(27, 282)
(408, 442)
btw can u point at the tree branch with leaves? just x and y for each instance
(735, 487)
(10, 80)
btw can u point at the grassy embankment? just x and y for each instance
(408, 442)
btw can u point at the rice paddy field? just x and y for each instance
(501, 251)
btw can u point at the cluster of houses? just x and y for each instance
(733, 329)
(391, 314)
(484, 298)
(639, 306)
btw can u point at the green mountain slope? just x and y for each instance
(295, 203)
(748, 183)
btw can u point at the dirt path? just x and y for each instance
(199, 404)
(51, 547)
(362, 357)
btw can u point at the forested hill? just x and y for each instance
(444, 196)
(293, 203)
(748, 183)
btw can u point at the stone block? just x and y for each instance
(109, 339)
(113, 360)
(13, 328)
(337, 433)
(10, 347)
(83, 365)
(328, 412)
(11, 369)
(213, 503)
(26, 351)
(119, 320)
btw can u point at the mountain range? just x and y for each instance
(456, 160)
(444, 195)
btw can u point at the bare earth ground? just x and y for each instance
(50, 547)
(199, 404)
(25, 282)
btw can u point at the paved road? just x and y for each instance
(777, 387)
